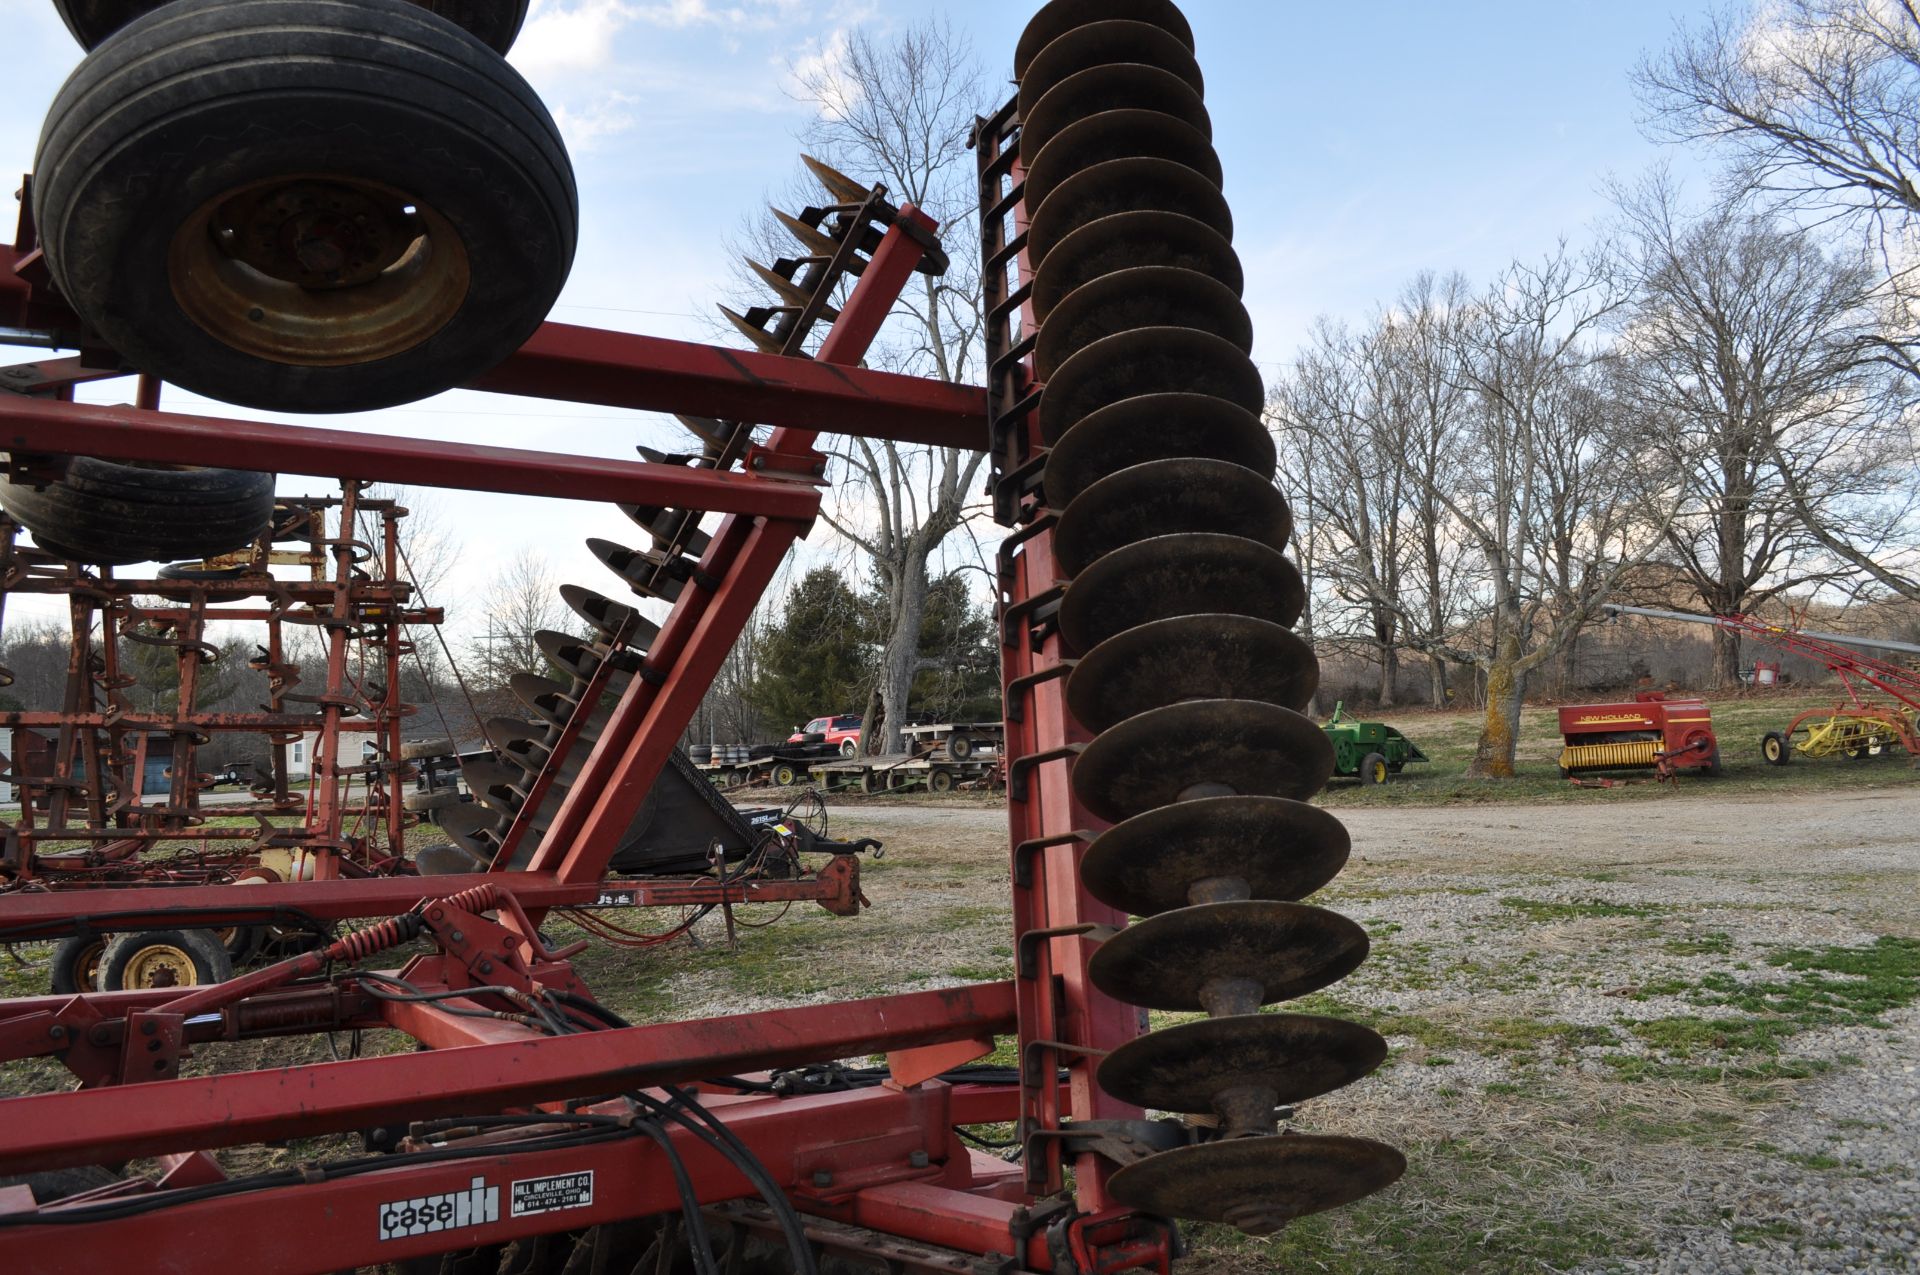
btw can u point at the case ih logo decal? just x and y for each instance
(424, 1214)
(548, 1195)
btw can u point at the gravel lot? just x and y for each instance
(1676, 1035)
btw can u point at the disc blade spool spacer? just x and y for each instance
(1289, 949)
(1297, 1056)
(1058, 17)
(1131, 239)
(1189, 657)
(1183, 495)
(1144, 297)
(1118, 40)
(1258, 1184)
(1127, 133)
(1196, 574)
(1160, 757)
(1282, 849)
(1154, 427)
(1148, 361)
(1124, 186)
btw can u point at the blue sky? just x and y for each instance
(1361, 143)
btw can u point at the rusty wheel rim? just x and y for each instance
(160, 965)
(318, 271)
(86, 970)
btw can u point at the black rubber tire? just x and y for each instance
(940, 780)
(1373, 770)
(204, 98)
(700, 754)
(73, 960)
(241, 942)
(785, 775)
(49, 1185)
(421, 749)
(849, 748)
(1774, 750)
(106, 513)
(209, 957)
(436, 799)
(959, 746)
(495, 23)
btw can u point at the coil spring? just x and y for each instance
(378, 937)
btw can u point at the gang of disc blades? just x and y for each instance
(1148, 361)
(1180, 495)
(1120, 134)
(1144, 297)
(1126, 240)
(1124, 186)
(1196, 573)
(1100, 43)
(1058, 17)
(1154, 427)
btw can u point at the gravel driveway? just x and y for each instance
(1676, 1035)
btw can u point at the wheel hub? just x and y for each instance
(161, 965)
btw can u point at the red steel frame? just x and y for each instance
(882, 1158)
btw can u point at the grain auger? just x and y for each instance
(1146, 605)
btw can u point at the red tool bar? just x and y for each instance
(130, 433)
(621, 369)
(127, 1122)
(344, 1223)
(136, 907)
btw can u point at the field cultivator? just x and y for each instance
(1882, 696)
(1155, 759)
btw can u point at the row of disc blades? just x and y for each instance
(1179, 604)
(525, 748)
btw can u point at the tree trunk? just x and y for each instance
(901, 660)
(1726, 660)
(1437, 680)
(1500, 730)
(1389, 672)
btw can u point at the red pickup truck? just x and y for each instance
(842, 731)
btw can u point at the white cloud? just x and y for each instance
(562, 39)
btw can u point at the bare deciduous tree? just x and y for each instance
(1741, 344)
(900, 111)
(522, 601)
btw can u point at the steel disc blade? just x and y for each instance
(488, 776)
(1282, 849)
(1154, 427)
(544, 697)
(568, 651)
(481, 843)
(1127, 240)
(1189, 657)
(604, 614)
(1058, 17)
(466, 819)
(1230, 746)
(1185, 1068)
(1196, 574)
(1165, 498)
(1258, 1184)
(1103, 43)
(448, 860)
(1124, 186)
(1148, 361)
(503, 732)
(1144, 297)
(1130, 133)
(1288, 949)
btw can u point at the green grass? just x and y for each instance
(1738, 720)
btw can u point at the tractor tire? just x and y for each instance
(495, 23)
(438, 799)
(785, 775)
(959, 746)
(241, 942)
(849, 748)
(49, 1185)
(304, 205)
(1713, 769)
(76, 964)
(421, 749)
(1774, 749)
(106, 513)
(163, 958)
(940, 781)
(1373, 770)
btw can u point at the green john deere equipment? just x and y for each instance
(1368, 751)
